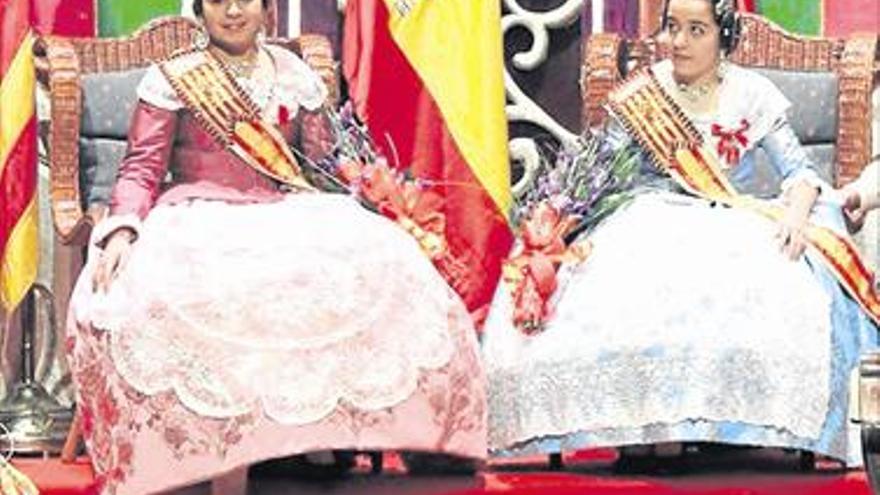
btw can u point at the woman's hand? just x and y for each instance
(792, 233)
(853, 211)
(112, 259)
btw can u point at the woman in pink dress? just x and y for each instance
(229, 314)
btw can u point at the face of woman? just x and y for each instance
(233, 25)
(694, 39)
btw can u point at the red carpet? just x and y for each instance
(585, 473)
(54, 478)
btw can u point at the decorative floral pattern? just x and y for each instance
(122, 425)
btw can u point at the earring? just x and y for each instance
(722, 68)
(261, 36)
(200, 38)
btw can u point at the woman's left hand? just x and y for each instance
(791, 234)
(792, 231)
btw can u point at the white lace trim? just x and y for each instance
(226, 307)
(298, 83)
(155, 89)
(681, 312)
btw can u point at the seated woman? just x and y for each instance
(691, 320)
(235, 315)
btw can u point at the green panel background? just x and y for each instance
(796, 16)
(122, 17)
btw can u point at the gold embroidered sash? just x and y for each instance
(673, 143)
(228, 114)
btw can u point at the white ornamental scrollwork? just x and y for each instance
(522, 108)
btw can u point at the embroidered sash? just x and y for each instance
(673, 143)
(229, 115)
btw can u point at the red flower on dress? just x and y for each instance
(283, 114)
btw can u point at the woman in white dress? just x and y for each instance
(691, 321)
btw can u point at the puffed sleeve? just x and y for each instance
(303, 93)
(150, 142)
(789, 157)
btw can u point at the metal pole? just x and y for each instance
(35, 421)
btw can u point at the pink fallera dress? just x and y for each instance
(250, 324)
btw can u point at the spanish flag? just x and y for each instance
(18, 155)
(426, 77)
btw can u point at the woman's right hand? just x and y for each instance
(112, 259)
(853, 212)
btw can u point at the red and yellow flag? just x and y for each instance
(427, 78)
(18, 155)
(65, 17)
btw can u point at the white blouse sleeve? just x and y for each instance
(155, 89)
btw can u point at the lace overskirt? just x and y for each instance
(276, 317)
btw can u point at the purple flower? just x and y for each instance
(576, 179)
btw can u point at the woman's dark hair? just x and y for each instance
(725, 16)
(198, 9)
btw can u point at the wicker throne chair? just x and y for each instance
(91, 84)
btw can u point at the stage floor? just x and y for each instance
(752, 472)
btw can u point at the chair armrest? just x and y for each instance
(600, 74)
(60, 61)
(857, 73)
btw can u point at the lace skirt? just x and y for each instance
(244, 332)
(685, 324)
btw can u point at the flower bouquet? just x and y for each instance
(569, 196)
(356, 167)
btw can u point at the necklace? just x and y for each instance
(695, 92)
(259, 91)
(241, 67)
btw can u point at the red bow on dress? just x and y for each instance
(731, 141)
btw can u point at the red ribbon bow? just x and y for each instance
(728, 139)
(531, 268)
